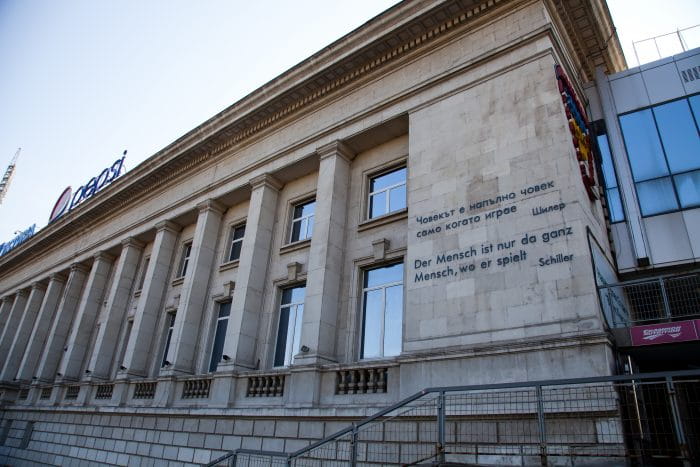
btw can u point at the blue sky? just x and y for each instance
(83, 80)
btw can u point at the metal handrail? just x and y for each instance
(648, 280)
(254, 452)
(634, 378)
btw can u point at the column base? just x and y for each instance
(312, 359)
(233, 366)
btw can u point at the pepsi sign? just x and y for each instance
(68, 200)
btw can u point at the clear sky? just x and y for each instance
(83, 80)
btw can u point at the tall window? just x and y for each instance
(382, 311)
(184, 259)
(387, 193)
(663, 144)
(612, 191)
(142, 276)
(125, 342)
(289, 331)
(302, 221)
(168, 336)
(236, 242)
(219, 335)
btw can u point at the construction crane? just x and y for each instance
(5, 182)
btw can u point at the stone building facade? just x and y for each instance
(403, 209)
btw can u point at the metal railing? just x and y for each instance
(651, 300)
(646, 417)
(665, 45)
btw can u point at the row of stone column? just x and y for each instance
(47, 329)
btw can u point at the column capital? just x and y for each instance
(23, 292)
(170, 226)
(79, 267)
(39, 285)
(57, 277)
(132, 242)
(333, 148)
(211, 205)
(103, 256)
(267, 180)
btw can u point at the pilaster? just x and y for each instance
(60, 327)
(149, 307)
(41, 328)
(84, 323)
(318, 330)
(5, 308)
(194, 289)
(246, 307)
(24, 329)
(117, 301)
(13, 319)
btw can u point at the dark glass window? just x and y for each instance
(168, 336)
(289, 329)
(144, 268)
(184, 259)
(387, 193)
(217, 350)
(612, 190)
(302, 221)
(382, 310)
(236, 242)
(663, 145)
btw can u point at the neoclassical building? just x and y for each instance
(403, 209)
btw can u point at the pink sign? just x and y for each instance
(665, 333)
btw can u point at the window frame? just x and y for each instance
(298, 322)
(185, 254)
(292, 220)
(670, 175)
(364, 269)
(142, 273)
(170, 317)
(217, 319)
(600, 130)
(232, 240)
(380, 172)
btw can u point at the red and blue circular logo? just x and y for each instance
(60, 207)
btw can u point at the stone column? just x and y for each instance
(5, 308)
(84, 322)
(318, 331)
(19, 343)
(105, 348)
(194, 289)
(246, 308)
(53, 350)
(13, 319)
(42, 325)
(143, 331)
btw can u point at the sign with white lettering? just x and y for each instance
(17, 241)
(665, 333)
(68, 200)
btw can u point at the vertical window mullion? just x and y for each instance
(382, 336)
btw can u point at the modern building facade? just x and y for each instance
(403, 209)
(647, 126)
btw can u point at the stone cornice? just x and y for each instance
(591, 34)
